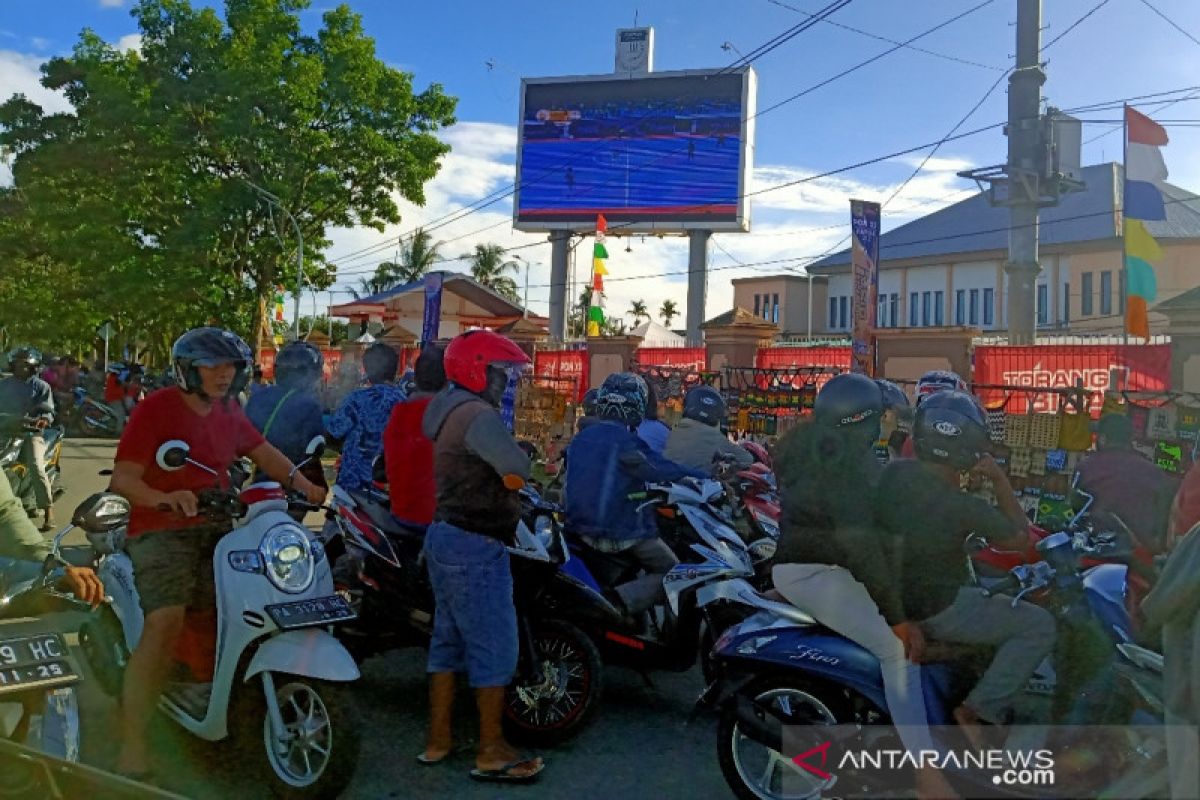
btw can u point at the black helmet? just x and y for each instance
(209, 347)
(298, 364)
(589, 402)
(622, 397)
(704, 404)
(893, 396)
(849, 400)
(24, 361)
(381, 362)
(938, 380)
(950, 429)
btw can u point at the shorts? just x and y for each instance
(174, 568)
(474, 620)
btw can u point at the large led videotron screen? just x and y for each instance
(657, 153)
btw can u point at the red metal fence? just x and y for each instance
(693, 358)
(784, 357)
(555, 365)
(1144, 368)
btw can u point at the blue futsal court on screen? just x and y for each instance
(669, 150)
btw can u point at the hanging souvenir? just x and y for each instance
(1187, 422)
(1161, 422)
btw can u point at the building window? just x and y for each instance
(1124, 290)
(894, 302)
(939, 308)
(832, 313)
(1086, 299)
(1106, 293)
(1043, 304)
(973, 317)
(926, 303)
(960, 307)
(1066, 317)
(775, 308)
(912, 309)
(843, 303)
(881, 311)
(989, 306)
(757, 309)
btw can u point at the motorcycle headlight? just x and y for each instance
(288, 558)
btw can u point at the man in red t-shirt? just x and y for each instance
(407, 452)
(171, 546)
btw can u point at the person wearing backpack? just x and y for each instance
(289, 414)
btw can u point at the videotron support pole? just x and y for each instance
(697, 285)
(1024, 143)
(559, 251)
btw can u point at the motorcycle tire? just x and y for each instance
(828, 705)
(282, 771)
(558, 707)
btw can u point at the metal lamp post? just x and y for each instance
(275, 201)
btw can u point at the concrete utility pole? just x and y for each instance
(697, 285)
(1024, 172)
(560, 245)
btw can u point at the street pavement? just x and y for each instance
(637, 746)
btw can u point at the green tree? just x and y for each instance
(577, 323)
(380, 281)
(417, 256)
(667, 312)
(488, 266)
(637, 310)
(145, 191)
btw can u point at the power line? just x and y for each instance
(877, 37)
(1170, 21)
(790, 33)
(1074, 25)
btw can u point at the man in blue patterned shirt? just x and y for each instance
(360, 419)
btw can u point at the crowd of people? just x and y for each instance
(876, 508)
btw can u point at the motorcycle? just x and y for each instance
(782, 668)
(90, 417)
(278, 680)
(15, 433)
(559, 678)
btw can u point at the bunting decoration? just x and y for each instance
(278, 299)
(1145, 174)
(599, 256)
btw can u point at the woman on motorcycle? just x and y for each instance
(831, 559)
(170, 544)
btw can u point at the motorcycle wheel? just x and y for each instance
(321, 752)
(556, 707)
(103, 644)
(755, 771)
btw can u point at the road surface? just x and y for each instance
(638, 745)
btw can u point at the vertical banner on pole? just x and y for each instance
(864, 259)
(433, 308)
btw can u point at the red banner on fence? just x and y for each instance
(563, 364)
(1138, 367)
(785, 357)
(690, 358)
(266, 360)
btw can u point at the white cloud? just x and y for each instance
(19, 74)
(40, 43)
(111, 3)
(131, 41)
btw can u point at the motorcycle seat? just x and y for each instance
(383, 519)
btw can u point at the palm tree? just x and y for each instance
(489, 267)
(381, 281)
(637, 309)
(667, 311)
(417, 256)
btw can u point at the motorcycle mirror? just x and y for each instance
(315, 447)
(172, 455)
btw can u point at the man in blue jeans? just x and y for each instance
(478, 469)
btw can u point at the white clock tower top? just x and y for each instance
(635, 51)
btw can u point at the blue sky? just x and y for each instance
(906, 98)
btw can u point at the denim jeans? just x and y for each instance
(474, 620)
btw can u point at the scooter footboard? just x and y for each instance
(310, 652)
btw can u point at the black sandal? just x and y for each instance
(505, 774)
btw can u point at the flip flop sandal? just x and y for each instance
(458, 749)
(504, 774)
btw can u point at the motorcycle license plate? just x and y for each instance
(30, 661)
(306, 613)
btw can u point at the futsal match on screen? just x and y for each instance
(656, 149)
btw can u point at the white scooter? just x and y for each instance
(279, 680)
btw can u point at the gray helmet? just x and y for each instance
(950, 429)
(589, 402)
(209, 347)
(622, 397)
(24, 361)
(704, 404)
(894, 397)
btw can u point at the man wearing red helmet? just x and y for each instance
(478, 469)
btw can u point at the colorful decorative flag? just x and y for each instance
(279, 304)
(599, 254)
(1145, 174)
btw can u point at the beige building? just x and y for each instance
(947, 269)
